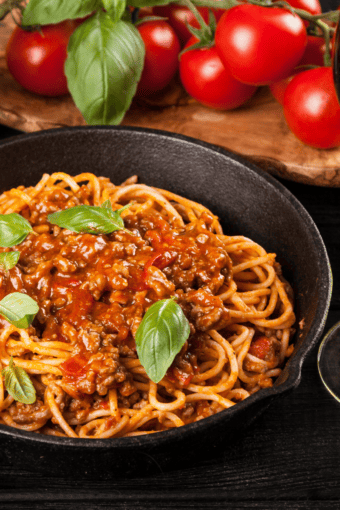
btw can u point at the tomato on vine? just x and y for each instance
(36, 58)
(312, 110)
(161, 56)
(314, 52)
(313, 56)
(312, 6)
(179, 17)
(278, 88)
(207, 80)
(260, 45)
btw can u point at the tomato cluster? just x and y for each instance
(253, 46)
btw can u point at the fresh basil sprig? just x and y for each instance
(104, 64)
(13, 229)
(44, 12)
(160, 336)
(19, 309)
(115, 8)
(90, 219)
(18, 384)
(9, 259)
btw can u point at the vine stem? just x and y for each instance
(192, 7)
(205, 33)
(327, 35)
(228, 4)
(315, 19)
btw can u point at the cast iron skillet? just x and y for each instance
(248, 202)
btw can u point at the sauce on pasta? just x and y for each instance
(93, 291)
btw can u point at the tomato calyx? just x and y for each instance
(205, 34)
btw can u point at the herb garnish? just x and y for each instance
(19, 309)
(13, 229)
(18, 384)
(160, 336)
(90, 219)
(9, 259)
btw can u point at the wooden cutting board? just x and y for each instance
(257, 130)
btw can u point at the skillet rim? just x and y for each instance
(294, 367)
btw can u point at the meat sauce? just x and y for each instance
(93, 290)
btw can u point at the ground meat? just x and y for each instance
(24, 414)
(204, 310)
(93, 290)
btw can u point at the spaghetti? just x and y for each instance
(93, 291)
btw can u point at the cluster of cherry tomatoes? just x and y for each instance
(253, 46)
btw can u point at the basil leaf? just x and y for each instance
(44, 12)
(18, 384)
(107, 205)
(160, 336)
(9, 259)
(115, 215)
(13, 229)
(19, 309)
(115, 8)
(104, 64)
(89, 219)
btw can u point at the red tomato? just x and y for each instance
(312, 6)
(260, 347)
(161, 56)
(314, 51)
(178, 16)
(312, 110)
(207, 80)
(36, 58)
(260, 45)
(313, 55)
(278, 88)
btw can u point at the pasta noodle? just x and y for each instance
(93, 291)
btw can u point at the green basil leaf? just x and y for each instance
(9, 259)
(107, 205)
(115, 215)
(89, 219)
(115, 8)
(160, 336)
(19, 309)
(13, 229)
(18, 384)
(104, 64)
(45, 12)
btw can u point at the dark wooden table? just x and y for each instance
(289, 459)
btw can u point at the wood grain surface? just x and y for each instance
(257, 130)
